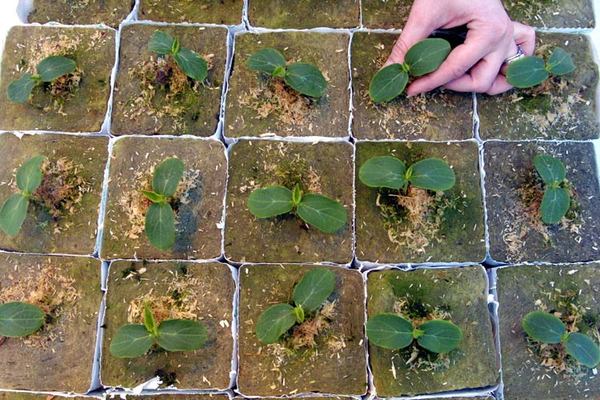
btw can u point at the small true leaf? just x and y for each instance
(440, 336)
(427, 56)
(266, 60)
(550, 169)
(181, 335)
(160, 226)
(20, 319)
(527, 72)
(555, 204)
(53, 67)
(560, 62)
(582, 348)
(313, 289)
(274, 322)
(167, 176)
(161, 43)
(13, 213)
(19, 90)
(149, 321)
(390, 331)
(383, 172)
(131, 341)
(29, 174)
(432, 174)
(323, 213)
(191, 64)
(270, 201)
(543, 327)
(306, 79)
(154, 197)
(388, 83)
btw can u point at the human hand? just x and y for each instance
(476, 65)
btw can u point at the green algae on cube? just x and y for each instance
(330, 360)
(258, 105)
(456, 294)
(35, 396)
(67, 289)
(437, 115)
(77, 102)
(84, 12)
(198, 200)
(195, 291)
(294, 13)
(153, 96)
(561, 108)
(180, 396)
(225, 12)
(322, 168)
(63, 212)
(552, 13)
(514, 193)
(385, 14)
(531, 371)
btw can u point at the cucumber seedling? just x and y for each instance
(308, 297)
(423, 58)
(14, 209)
(135, 340)
(48, 70)
(320, 211)
(557, 198)
(393, 332)
(165, 45)
(304, 78)
(546, 328)
(19, 319)
(531, 71)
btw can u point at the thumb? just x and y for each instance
(416, 29)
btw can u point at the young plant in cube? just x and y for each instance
(48, 71)
(557, 198)
(190, 63)
(19, 319)
(531, 71)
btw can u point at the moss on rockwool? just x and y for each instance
(385, 13)
(552, 13)
(227, 12)
(87, 12)
(293, 14)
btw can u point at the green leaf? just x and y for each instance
(389, 331)
(192, 64)
(167, 176)
(439, 336)
(550, 169)
(583, 349)
(160, 226)
(432, 174)
(306, 79)
(154, 197)
(543, 327)
(53, 67)
(527, 72)
(388, 83)
(266, 60)
(131, 341)
(19, 90)
(427, 56)
(29, 174)
(383, 172)
(555, 204)
(20, 319)
(149, 321)
(560, 62)
(323, 213)
(161, 43)
(270, 201)
(274, 322)
(313, 289)
(181, 335)
(13, 213)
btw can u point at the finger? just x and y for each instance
(417, 28)
(481, 77)
(525, 37)
(499, 86)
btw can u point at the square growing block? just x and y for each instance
(514, 192)
(295, 13)
(77, 103)
(33, 396)
(153, 96)
(198, 201)
(421, 226)
(62, 216)
(67, 289)
(226, 12)
(334, 363)
(434, 116)
(258, 105)
(455, 294)
(531, 371)
(552, 13)
(322, 168)
(561, 108)
(87, 12)
(385, 14)
(200, 292)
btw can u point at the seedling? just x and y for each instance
(531, 71)
(546, 328)
(308, 296)
(557, 199)
(20, 319)
(304, 78)
(14, 209)
(135, 340)
(323, 213)
(190, 62)
(423, 58)
(48, 70)
(391, 331)
(160, 217)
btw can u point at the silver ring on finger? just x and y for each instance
(520, 54)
